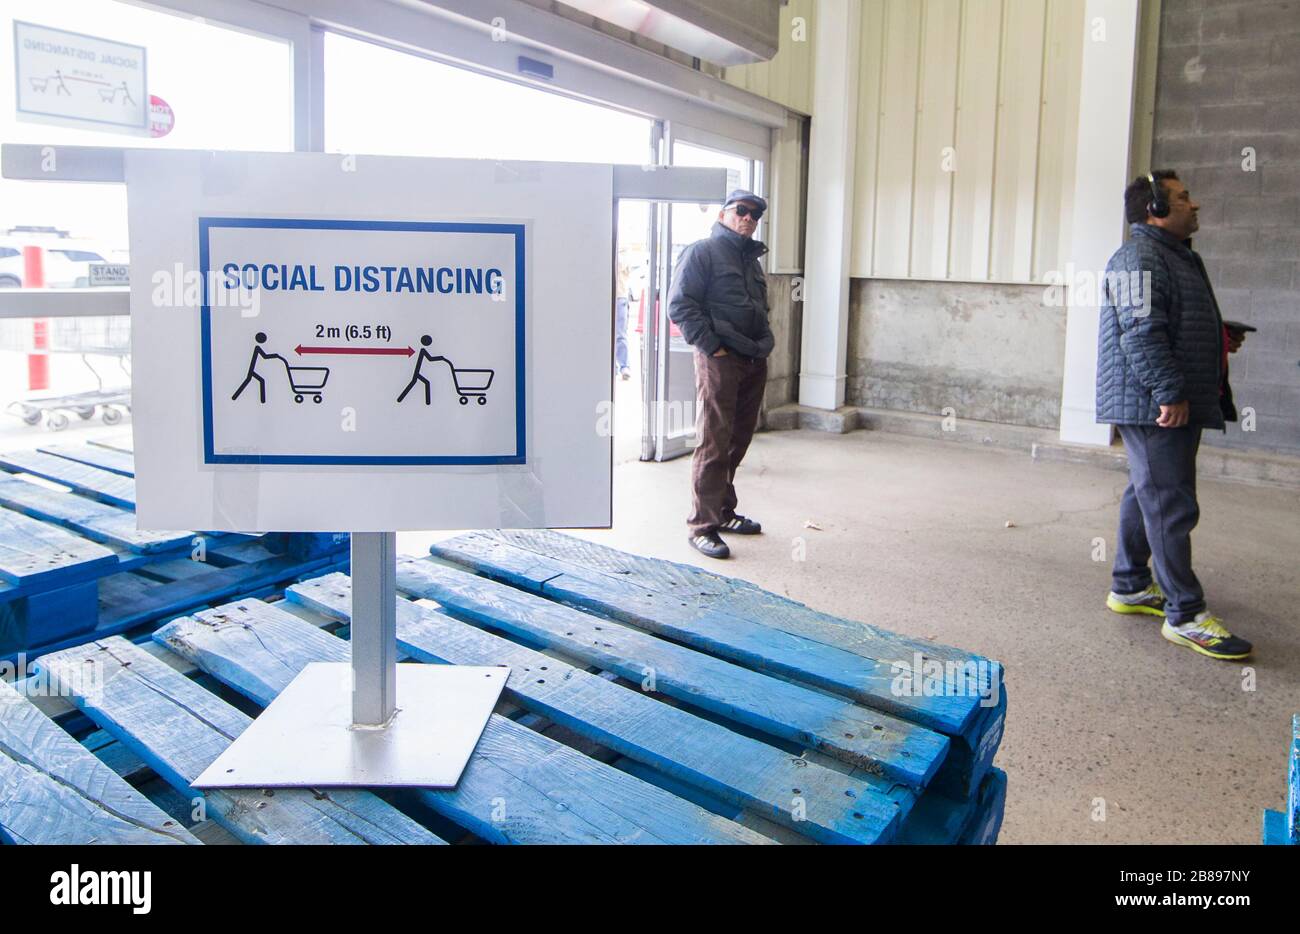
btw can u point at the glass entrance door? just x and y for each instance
(679, 225)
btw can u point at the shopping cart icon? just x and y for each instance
(472, 384)
(307, 381)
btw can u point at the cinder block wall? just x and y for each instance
(1228, 81)
(987, 351)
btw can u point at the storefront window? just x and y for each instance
(201, 86)
(385, 102)
(107, 73)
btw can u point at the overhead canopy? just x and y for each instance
(724, 32)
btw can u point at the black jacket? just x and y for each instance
(719, 295)
(1161, 335)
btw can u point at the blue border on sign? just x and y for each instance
(205, 324)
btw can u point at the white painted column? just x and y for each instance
(1110, 44)
(829, 239)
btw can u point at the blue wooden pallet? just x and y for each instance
(727, 650)
(1283, 828)
(73, 566)
(606, 732)
(738, 622)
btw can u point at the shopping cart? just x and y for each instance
(472, 383)
(307, 381)
(87, 337)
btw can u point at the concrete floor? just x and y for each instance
(913, 538)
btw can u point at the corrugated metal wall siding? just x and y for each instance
(966, 132)
(966, 137)
(787, 78)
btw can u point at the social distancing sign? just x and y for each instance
(363, 343)
(418, 325)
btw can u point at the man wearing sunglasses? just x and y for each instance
(718, 300)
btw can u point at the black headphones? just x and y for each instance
(1157, 206)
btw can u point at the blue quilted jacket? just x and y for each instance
(1161, 337)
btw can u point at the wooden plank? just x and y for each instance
(123, 442)
(972, 753)
(984, 828)
(553, 555)
(1293, 784)
(117, 462)
(180, 569)
(53, 790)
(875, 741)
(1274, 831)
(204, 590)
(741, 624)
(36, 556)
(519, 786)
(826, 805)
(117, 757)
(60, 613)
(937, 820)
(179, 728)
(244, 552)
(128, 601)
(91, 518)
(89, 481)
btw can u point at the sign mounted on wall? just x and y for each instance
(369, 343)
(84, 81)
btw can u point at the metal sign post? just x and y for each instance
(374, 629)
(369, 722)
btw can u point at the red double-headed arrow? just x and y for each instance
(374, 351)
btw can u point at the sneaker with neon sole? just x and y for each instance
(1150, 601)
(1207, 635)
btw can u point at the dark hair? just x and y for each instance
(1138, 195)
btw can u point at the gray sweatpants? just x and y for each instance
(1156, 516)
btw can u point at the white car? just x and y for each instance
(11, 266)
(67, 262)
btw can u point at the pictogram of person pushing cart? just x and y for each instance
(468, 383)
(417, 376)
(258, 354)
(303, 380)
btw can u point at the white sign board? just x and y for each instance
(331, 343)
(419, 324)
(69, 78)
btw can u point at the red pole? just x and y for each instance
(38, 362)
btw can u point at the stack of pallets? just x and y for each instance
(73, 566)
(1284, 828)
(648, 702)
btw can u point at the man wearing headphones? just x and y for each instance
(1162, 377)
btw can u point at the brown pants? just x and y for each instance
(731, 392)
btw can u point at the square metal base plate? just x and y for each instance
(305, 738)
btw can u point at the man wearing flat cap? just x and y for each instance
(718, 300)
